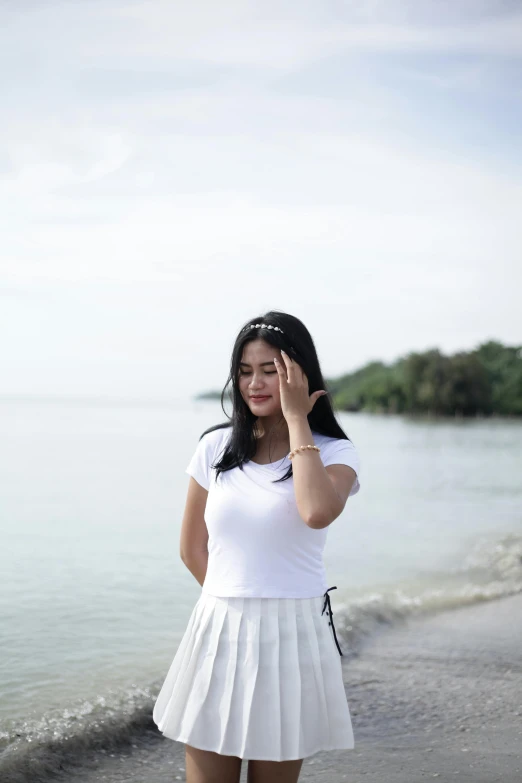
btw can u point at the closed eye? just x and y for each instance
(242, 372)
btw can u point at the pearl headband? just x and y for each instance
(264, 326)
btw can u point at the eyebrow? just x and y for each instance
(246, 364)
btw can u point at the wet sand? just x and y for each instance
(439, 698)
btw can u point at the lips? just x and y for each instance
(263, 397)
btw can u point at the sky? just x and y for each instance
(169, 171)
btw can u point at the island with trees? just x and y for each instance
(486, 381)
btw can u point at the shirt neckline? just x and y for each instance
(278, 461)
(267, 464)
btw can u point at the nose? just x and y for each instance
(256, 384)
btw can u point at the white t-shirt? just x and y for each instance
(258, 544)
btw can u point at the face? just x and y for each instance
(258, 376)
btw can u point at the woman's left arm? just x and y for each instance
(321, 492)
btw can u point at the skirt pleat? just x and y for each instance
(258, 678)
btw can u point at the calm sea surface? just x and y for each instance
(94, 597)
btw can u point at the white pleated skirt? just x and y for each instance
(258, 678)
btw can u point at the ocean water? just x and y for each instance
(94, 597)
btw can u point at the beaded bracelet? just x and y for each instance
(302, 448)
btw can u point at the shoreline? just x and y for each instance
(438, 696)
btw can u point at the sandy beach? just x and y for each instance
(438, 697)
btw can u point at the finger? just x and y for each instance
(289, 365)
(286, 358)
(315, 396)
(279, 367)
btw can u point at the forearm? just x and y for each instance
(197, 563)
(317, 499)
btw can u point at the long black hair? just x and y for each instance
(297, 341)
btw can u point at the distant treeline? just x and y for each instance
(482, 382)
(485, 381)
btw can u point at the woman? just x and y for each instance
(257, 674)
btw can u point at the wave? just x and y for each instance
(41, 749)
(491, 570)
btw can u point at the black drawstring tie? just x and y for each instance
(329, 612)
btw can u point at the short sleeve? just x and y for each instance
(339, 451)
(199, 465)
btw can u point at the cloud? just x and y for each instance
(273, 36)
(283, 153)
(388, 203)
